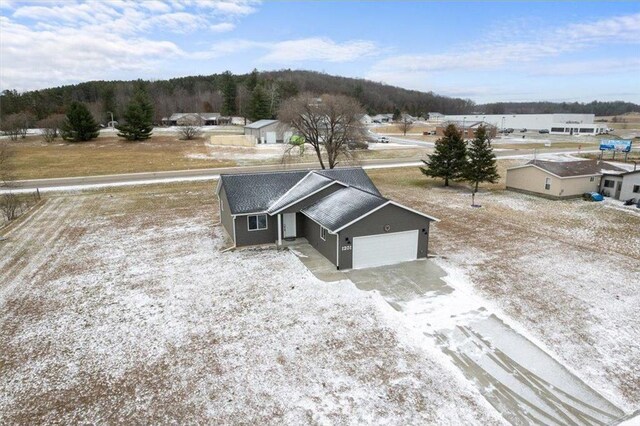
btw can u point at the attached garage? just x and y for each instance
(385, 249)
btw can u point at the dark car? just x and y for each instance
(523, 130)
(543, 131)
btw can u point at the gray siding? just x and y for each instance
(312, 199)
(244, 237)
(225, 213)
(399, 219)
(312, 234)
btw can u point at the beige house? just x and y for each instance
(624, 186)
(559, 179)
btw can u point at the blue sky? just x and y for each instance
(485, 51)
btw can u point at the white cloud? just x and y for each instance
(317, 49)
(222, 27)
(521, 51)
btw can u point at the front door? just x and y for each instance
(618, 190)
(289, 225)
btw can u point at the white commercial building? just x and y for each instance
(562, 124)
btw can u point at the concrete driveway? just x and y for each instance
(524, 383)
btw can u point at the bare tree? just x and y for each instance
(329, 124)
(189, 132)
(50, 126)
(405, 124)
(12, 126)
(9, 204)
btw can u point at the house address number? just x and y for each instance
(346, 248)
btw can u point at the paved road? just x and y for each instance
(80, 182)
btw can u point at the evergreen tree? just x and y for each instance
(259, 105)
(396, 114)
(252, 81)
(450, 157)
(228, 88)
(481, 165)
(138, 117)
(79, 124)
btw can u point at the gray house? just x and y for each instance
(340, 212)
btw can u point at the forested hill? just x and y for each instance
(595, 107)
(207, 94)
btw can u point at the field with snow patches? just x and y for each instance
(566, 272)
(119, 307)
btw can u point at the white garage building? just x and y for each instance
(268, 131)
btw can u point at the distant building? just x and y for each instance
(468, 129)
(435, 116)
(268, 131)
(196, 119)
(365, 119)
(559, 179)
(565, 124)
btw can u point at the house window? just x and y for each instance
(547, 184)
(323, 233)
(257, 222)
(593, 178)
(609, 183)
(636, 189)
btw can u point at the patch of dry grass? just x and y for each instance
(34, 159)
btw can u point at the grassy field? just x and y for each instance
(34, 159)
(118, 306)
(565, 270)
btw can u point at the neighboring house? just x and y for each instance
(558, 179)
(435, 116)
(623, 186)
(268, 131)
(381, 118)
(340, 212)
(195, 119)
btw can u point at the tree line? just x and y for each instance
(596, 107)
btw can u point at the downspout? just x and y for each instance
(338, 251)
(280, 229)
(235, 243)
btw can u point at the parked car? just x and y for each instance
(383, 139)
(523, 130)
(510, 130)
(542, 131)
(592, 196)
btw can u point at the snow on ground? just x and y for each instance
(119, 307)
(567, 271)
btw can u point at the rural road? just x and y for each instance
(87, 182)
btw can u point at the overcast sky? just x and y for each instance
(487, 52)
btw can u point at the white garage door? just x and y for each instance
(385, 249)
(271, 137)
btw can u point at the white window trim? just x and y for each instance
(221, 205)
(266, 220)
(322, 228)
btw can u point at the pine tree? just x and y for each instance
(450, 157)
(481, 165)
(252, 81)
(79, 124)
(138, 117)
(259, 105)
(228, 88)
(396, 114)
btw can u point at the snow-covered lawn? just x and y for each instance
(566, 271)
(119, 307)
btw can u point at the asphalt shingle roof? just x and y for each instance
(306, 186)
(258, 192)
(575, 168)
(353, 176)
(255, 192)
(343, 206)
